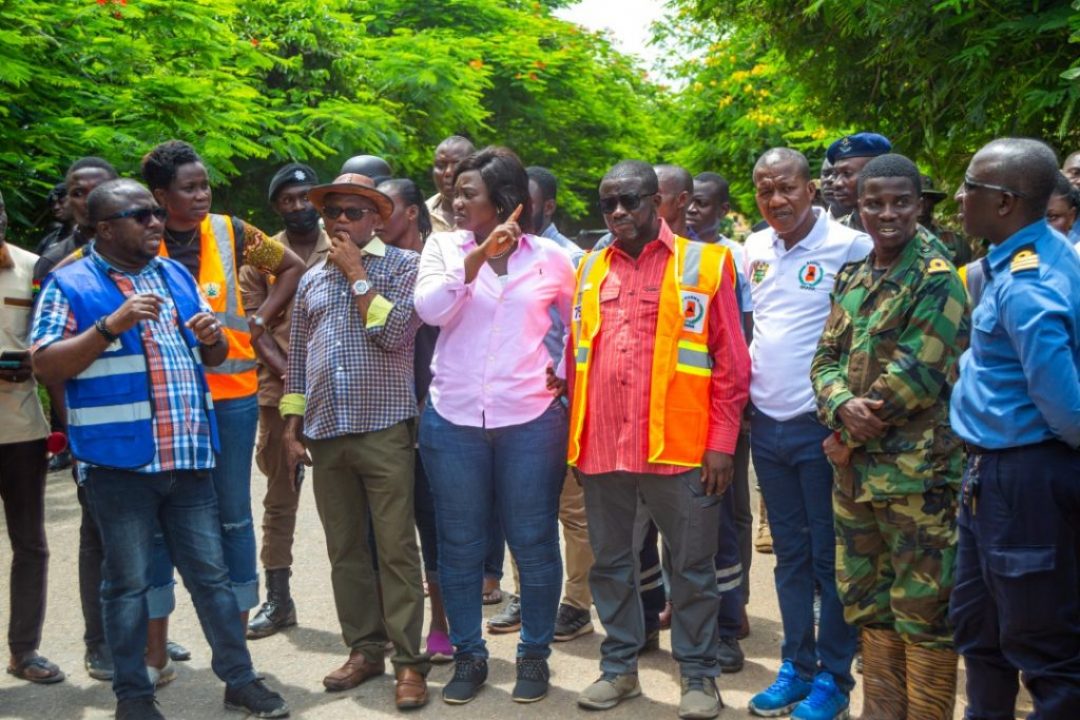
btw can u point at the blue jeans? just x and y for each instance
(519, 470)
(237, 421)
(796, 480)
(128, 507)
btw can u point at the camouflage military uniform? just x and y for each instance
(896, 338)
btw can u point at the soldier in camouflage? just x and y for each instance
(882, 374)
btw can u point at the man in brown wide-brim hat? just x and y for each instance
(349, 400)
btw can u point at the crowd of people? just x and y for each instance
(457, 370)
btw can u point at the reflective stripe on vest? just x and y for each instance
(109, 414)
(107, 366)
(694, 358)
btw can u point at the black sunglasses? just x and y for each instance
(970, 184)
(333, 212)
(141, 215)
(629, 201)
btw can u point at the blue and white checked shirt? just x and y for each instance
(355, 379)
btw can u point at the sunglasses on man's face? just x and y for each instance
(972, 184)
(629, 201)
(333, 212)
(140, 215)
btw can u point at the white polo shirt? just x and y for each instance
(790, 290)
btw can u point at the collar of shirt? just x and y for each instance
(911, 251)
(101, 262)
(322, 245)
(1001, 254)
(665, 237)
(813, 239)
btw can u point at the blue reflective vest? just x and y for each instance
(110, 414)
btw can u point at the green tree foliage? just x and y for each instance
(938, 78)
(255, 83)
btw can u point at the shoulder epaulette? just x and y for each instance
(1025, 259)
(937, 265)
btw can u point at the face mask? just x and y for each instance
(301, 221)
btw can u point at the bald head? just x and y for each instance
(673, 179)
(635, 170)
(112, 197)
(1025, 165)
(458, 142)
(782, 156)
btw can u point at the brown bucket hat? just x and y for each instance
(353, 184)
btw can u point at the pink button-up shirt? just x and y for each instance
(490, 363)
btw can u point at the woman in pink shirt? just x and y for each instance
(493, 436)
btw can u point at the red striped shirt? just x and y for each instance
(616, 432)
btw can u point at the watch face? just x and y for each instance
(361, 287)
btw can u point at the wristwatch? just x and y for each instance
(361, 287)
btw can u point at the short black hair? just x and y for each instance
(1026, 165)
(634, 169)
(92, 161)
(723, 190)
(545, 180)
(890, 165)
(678, 173)
(506, 181)
(410, 192)
(159, 166)
(777, 155)
(102, 200)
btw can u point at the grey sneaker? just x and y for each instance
(609, 691)
(700, 698)
(508, 620)
(571, 623)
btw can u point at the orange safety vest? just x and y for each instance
(236, 377)
(682, 366)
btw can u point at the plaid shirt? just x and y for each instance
(181, 426)
(355, 379)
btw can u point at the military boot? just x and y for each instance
(885, 688)
(931, 683)
(278, 611)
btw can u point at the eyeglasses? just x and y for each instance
(140, 215)
(970, 184)
(333, 212)
(629, 201)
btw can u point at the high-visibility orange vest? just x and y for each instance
(681, 367)
(236, 377)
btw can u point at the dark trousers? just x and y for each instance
(729, 568)
(744, 517)
(22, 488)
(653, 597)
(1016, 603)
(91, 556)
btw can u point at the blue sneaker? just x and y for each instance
(825, 702)
(782, 696)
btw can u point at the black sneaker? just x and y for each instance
(469, 674)
(730, 656)
(257, 699)
(98, 662)
(140, 708)
(508, 620)
(532, 680)
(572, 622)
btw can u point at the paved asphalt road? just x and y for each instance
(295, 662)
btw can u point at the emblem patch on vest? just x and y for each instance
(694, 305)
(758, 270)
(811, 275)
(212, 289)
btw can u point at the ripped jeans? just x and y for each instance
(237, 421)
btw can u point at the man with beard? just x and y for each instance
(289, 198)
(882, 375)
(848, 156)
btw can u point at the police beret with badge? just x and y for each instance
(863, 144)
(292, 174)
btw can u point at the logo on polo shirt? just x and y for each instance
(758, 270)
(810, 275)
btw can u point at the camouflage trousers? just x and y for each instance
(895, 563)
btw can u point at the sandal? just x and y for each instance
(36, 669)
(494, 596)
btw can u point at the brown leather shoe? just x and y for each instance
(411, 689)
(356, 670)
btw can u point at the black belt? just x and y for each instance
(973, 449)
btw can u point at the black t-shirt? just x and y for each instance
(423, 352)
(60, 250)
(186, 247)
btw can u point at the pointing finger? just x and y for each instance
(514, 215)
